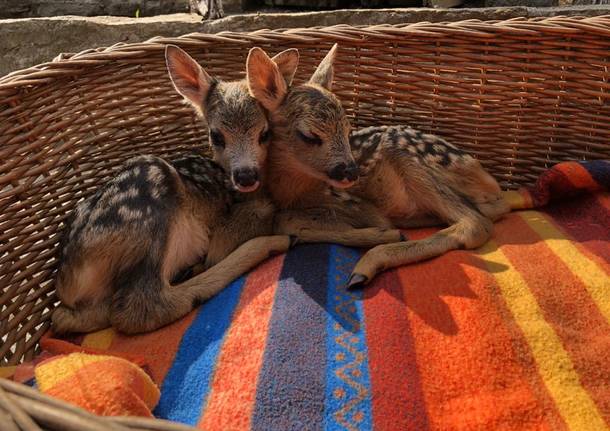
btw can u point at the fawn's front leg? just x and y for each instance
(241, 260)
(313, 226)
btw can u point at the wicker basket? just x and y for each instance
(519, 94)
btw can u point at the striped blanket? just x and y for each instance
(515, 335)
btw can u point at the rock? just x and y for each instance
(26, 42)
(531, 3)
(40, 8)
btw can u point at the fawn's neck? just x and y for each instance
(288, 185)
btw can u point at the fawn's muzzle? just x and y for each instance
(246, 179)
(345, 172)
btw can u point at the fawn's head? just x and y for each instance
(309, 124)
(238, 127)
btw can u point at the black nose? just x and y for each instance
(245, 177)
(344, 171)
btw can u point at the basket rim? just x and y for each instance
(72, 64)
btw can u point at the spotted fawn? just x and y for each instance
(123, 246)
(322, 178)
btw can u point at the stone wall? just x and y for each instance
(40, 8)
(27, 42)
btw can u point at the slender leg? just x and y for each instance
(244, 258)
(365, 237)
(467, 233)
(315, 228)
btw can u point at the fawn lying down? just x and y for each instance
(125, 244)
(407, 178)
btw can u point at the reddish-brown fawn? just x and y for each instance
(322, 178)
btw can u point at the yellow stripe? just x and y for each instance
(515, 199)
(99, 340)
(554, 364)
(48, 374)
(593, 277)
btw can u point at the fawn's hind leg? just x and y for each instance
(469, 232)
(313, 229)
(148, 303)
(85, 318)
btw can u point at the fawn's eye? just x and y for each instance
(309, 138)
(217, 139)
(265, 134)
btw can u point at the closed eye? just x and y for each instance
(309, 138)
(264, 136)
(217, 139)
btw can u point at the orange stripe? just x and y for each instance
(577, 175)
(471, 375)
(566, 304)
(233, 388)
(158, 347)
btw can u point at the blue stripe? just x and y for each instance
(600, 171)
(290, 392)
(187, 383)
(348, 395)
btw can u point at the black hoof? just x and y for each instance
(403, 237)
(294, 240)
(356, 281)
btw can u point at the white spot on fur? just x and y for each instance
(129, 214)
(155, 175)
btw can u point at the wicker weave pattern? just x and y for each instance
(519, 94)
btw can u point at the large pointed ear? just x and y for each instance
(287, 62)
(189, 79)
(265, 82)
(324, 74)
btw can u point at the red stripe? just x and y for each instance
(397, 398)
(233, 388)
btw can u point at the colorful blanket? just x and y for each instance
(514, 336)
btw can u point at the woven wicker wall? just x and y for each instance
(519, 94)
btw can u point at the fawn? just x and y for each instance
(124, 245)
(396, 176)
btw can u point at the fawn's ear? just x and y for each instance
(325, 72)
(265, 81)
(287, 62)
(189, 79)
